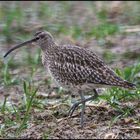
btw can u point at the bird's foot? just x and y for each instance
(83, 101)
(74, 106)
(72, 109)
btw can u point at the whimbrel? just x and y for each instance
(75, 68)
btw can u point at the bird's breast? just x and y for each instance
(43, 58)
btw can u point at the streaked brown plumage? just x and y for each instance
(75, 68)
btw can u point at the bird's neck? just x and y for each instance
(48, 51)
(48, 47)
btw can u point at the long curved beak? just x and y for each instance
(20, 45)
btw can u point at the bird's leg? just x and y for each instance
(83, 108)
(72, 109)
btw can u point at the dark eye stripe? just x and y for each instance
(37, 33)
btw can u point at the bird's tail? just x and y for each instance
(128, 85)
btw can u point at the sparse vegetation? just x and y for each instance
(30, 106)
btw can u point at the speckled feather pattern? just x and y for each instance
(76, 66)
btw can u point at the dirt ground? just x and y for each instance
(52, 122)
(101, 120)
(97, 125)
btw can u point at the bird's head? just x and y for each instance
(41, 38)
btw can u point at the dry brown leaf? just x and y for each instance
(128, 120)
(41, 95)
(110, 136)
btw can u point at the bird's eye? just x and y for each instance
(37, 38)
(39, 35)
